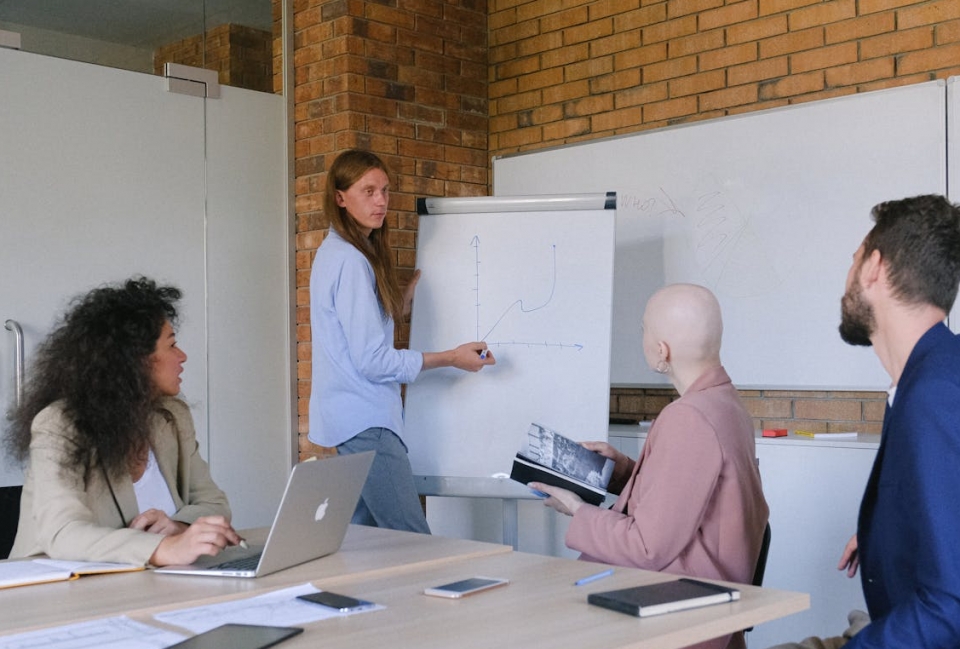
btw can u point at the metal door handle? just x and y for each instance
(14, 326)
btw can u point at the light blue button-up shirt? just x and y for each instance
(357, 371)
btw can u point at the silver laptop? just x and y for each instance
(312, 520)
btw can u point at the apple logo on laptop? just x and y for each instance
(321, 510)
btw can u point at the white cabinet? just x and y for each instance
(813, 488)
(814, 491)
(103, 175)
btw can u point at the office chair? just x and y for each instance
(9, 518)
(761, 561)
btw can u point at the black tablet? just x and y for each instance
(239, 636)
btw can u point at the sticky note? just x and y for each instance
(774, 432)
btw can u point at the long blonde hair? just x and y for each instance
(345, 171)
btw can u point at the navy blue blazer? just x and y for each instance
(908, 531)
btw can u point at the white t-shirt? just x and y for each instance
(151, 489)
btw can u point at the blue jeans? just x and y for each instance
(389, 498)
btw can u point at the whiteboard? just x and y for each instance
(766, 209)
(537, 288)
(953, 154)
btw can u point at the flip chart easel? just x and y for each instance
(533, 279)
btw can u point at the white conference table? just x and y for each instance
(365, 550)
(540, 606)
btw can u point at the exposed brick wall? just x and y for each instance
(276, 7)
(242, 56)
(411, 79)
(406, 79)
(818, 411)
(564, 72)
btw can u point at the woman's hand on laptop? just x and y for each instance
(207, 535)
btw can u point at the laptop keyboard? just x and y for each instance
(244, 563)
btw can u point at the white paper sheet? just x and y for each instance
(109, 633)
(279, 608)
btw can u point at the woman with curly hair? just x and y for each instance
(113, 469)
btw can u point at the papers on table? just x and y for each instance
(279, 608)
(109, 633)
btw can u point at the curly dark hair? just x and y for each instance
(96, 360)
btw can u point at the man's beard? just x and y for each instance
(856, 318)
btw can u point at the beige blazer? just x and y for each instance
(68, 512)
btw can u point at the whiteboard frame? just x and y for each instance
(456, 443)
(953, 167)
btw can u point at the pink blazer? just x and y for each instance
(693, 504)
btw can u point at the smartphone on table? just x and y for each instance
(465, 587)
(335, 601)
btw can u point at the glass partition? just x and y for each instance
(234, 37)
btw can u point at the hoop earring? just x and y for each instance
(662, 367)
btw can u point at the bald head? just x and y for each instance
(687, 318)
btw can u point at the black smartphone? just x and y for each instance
(341, 603)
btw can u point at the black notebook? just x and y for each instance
(665, 597)
(549, 457)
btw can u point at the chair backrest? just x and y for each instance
(762, 559)
(9, 518)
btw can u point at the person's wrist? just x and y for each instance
(158, 558)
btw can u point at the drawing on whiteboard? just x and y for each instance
(714, 230)
(728, 254)
(519, 303)
(726, 246)
(628, 202)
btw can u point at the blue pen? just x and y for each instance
(599, 575)
(483, 354)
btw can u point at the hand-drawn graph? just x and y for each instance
(519, 305)
(537, 288)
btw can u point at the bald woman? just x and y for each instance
(692, 504)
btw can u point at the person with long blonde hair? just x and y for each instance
(355, 301)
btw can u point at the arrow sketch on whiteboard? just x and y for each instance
(729, 251)
(517, 304)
